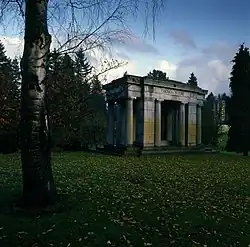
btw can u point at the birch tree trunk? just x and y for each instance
(38, 183)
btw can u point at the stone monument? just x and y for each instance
(153, 113)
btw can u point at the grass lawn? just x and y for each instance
(192, 200)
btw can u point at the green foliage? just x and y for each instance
(192, 81)
(214, 117)
(209, 120)
(239, 107)
(9, 102)
(157, 74)
(76, 102)
(82, 65)
(193, 200)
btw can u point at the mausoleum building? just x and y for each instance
(153, 113)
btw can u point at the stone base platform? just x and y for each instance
(163, 150)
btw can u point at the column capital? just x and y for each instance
(183, 102)
(129, 98)
(159, 100)
(192, 103)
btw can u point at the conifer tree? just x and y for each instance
(9, 102)
(6, 88)
(209, 120)
(239, 108)
(192, 81)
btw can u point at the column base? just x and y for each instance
(109, 147)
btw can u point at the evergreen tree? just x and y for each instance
(192, 81)
(14, 92)
(98, 112)
(68, 95)
(209, 120)
(82, 65)
(55, 96)
(9, 102)
(157, 74)
(82, 70)
(5, 77)
(6, 87)
(69, 99)
(96, 86)
(239, 108)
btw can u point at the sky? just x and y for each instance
(191, 36)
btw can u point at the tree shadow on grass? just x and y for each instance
(11, 204)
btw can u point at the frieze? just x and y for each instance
(173, 92)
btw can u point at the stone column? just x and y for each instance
(118, 124)
(192, 124)
(157, 123)
(170, 126)
(134, 120)
(177, 126)
(110, 133)
(139, 122)
(123, 123)
(182, 124)
(198, 125)
(129, 122)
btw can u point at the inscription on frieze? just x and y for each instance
(173, 92)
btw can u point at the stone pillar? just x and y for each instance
(198, 125)
(110, 133)
(123, 123)
(120, 121)
(157, 123)
(182, 124)
(149, 123)
(192, 124)
(134, 121)
(129, 122)
(177, 127)
(139, 122)
(170, 126)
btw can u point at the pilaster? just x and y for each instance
(110, 133)
(129, 122)
(198, 125)
(182, 124)
(170, 126)
(157, 129)
(192, 124)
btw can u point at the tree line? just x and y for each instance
(235, 107)
(75, 98)
(78, 109)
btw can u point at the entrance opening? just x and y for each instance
(170, 122)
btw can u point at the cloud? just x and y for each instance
(212, 74)
(130, 43)
(122, 55)
(221, 50)
(211, 66)
(13, 46)
(166, 66)
(181, 37)
(142, 67)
